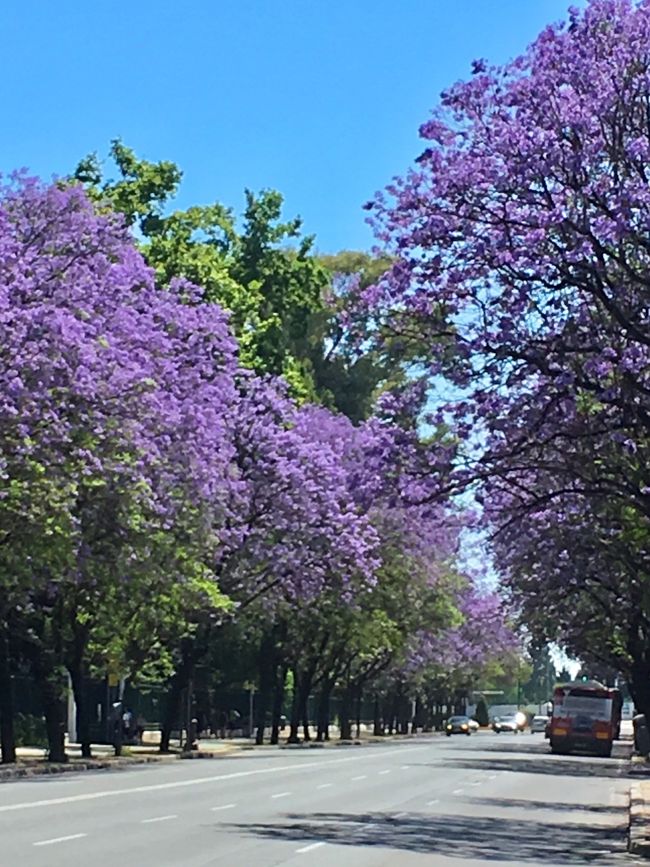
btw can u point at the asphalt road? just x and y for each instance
(484, 800)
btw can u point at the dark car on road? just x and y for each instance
(458, 725)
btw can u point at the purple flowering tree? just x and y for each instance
(521, 254)
(114, 452)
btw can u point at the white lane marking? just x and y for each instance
(159, 819)
(477, 783)
(457, 792)
(281, 795)
(405, 768)
(381, 773)
(399, 815)
(431, 803)
(492, 777)
(361, 777)
(223, 807)
(309, 848)
(325, 786)
(59, 840)
(195, 781)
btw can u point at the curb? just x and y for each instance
(20, 772)
(43, 768)
(639, 841)
(210, 754)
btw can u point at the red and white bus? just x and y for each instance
(586, 716)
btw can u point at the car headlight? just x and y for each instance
(449, 728)
(464, 726)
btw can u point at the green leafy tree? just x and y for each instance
(264, 273)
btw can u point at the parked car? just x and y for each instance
(458, 725)
(506, 724)
(538, 724)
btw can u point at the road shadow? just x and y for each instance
(621, 750)
(552, 766)
(510, 746)
(471, 838)
(512, 758)
(529, 804)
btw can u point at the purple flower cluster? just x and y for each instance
(520, 244)
(138, 457)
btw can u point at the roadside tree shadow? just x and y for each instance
(557, 766)
(470, 837)
(508, 746)
(555, 806)
(621, 750)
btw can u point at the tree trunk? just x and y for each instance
(193, 648)
(418, 717)
(304, 701)
(640, 686)
(323, 712)
(278, 699)
(173, 707)
(296, 708)
(402, 714)
(52, 691)
(359, 694)
(428, 716)
(7, 737)
(267, 664)
(378, 727)
(79, 688)
(345, 714)
(301, 689)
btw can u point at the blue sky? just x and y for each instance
(321, 100)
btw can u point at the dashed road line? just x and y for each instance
(59, 840)
(431, 803)
(325, 786)
(381, 773)
(159, 819)
(223, 807)
(309, 848)
(195, 781)
(360, 777)
(281, 795)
